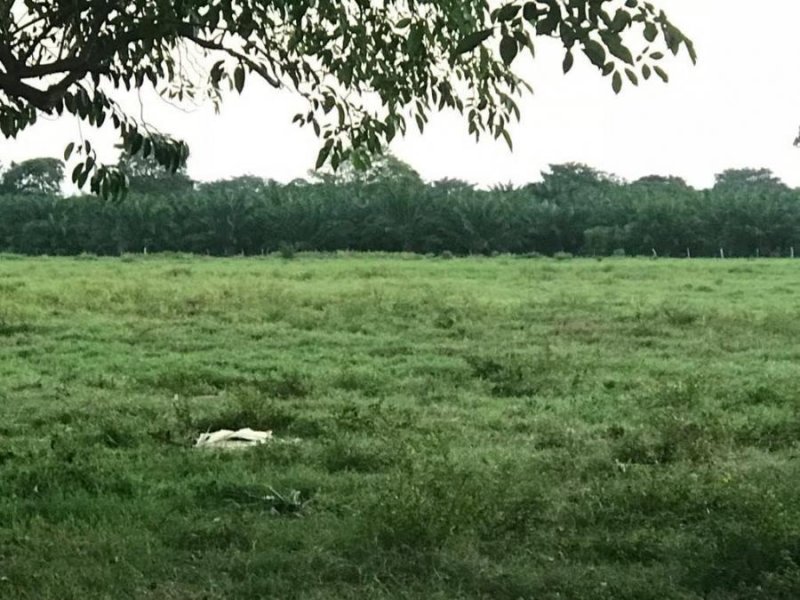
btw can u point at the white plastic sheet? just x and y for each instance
(229, 439)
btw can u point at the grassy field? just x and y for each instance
(472, 428)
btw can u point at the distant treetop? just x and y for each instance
(34, 176)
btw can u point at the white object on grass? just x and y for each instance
(226, 438)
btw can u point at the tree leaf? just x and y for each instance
(616, 82)
(621, 20)
(415, 39)
(550, 23)
(136, 143)
(615, 46)
(84, 175)
(650, 32)
(68, 150)
(661, 73)
(595, 51)
(690, 49)
(569, 60)
(530, 11)
(323, 154)
(508, 12)
(473, 40)
(238, 78)
(507, 138)
(508, 49)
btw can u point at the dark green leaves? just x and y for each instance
(596, 52)
(650, 32)
(415, 40)
(569, 60)
(324, 152)
(472, 41)
(508, 12)
(530, 12)
(508, 49)
(690, 49)
(616, 82)
(622, 19)
(238, 78)
(615, 46)
(507, 139)
(79, 175)
(136, 142)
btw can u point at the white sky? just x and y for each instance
(739, 107)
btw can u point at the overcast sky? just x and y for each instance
(739, 107)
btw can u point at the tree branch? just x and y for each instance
(14, 87)
(8, 60)
(260, 69)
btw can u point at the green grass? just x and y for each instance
(470, 428)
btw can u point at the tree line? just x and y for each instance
(573, 209)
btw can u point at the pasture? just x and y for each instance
(499, 428)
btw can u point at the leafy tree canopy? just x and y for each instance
(450, 185)
(572, 176)
(236, 185)
(385, 168)
(35, 176)
(665, 181)
(367, 68)
(747, 180)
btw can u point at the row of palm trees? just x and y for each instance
(574, 209)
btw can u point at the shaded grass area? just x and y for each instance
(470, 428)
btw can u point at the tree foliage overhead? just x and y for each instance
(367, 68)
